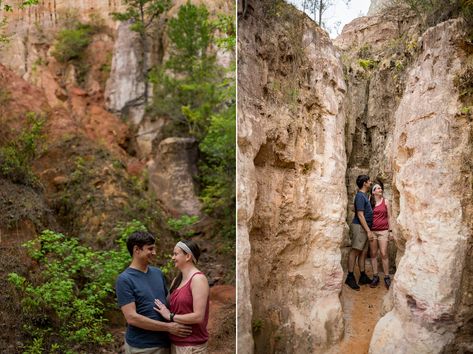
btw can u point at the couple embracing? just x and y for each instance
(369, 229)
(155, 317)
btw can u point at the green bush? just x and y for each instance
(367, 64)
(199, 97)
(70, 44)
(182, 225)
(18, 154)
(464, 81)
(66, 306)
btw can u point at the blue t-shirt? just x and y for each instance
(362, 203)
(142, 288)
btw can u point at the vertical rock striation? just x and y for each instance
(291, 190)
(125, 86)
(433, 196)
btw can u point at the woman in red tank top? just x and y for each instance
(188, 300)
(381, 234)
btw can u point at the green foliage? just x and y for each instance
(18, 154)
(182, 225)
(257, 325)
(67, 305)
(4, 38)
(218, 167)
(225, 25)
(187, 85)
(5, 96)
(367, 64)
(464, 82)
(36, 347)
(198, 95)
(71, 43)
(20, 5)
(141, 13)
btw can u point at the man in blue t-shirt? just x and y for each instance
(361, 231)
(137, 288)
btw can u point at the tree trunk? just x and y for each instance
(321, 7)
(314, 9)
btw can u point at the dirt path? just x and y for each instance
(222, 324)
(361, 312)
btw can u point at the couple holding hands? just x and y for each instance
(369, 229)
(158, 319)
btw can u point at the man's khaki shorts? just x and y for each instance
(358, 237)
(155, 350)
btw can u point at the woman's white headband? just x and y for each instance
(186, 249)
(374, 187)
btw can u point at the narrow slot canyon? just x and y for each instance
(383, 99)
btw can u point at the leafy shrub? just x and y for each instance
(18, 154)
(71, 43)
(367, 64)
(183, 225)
(66, 306)
(199, 97)
(464, 82)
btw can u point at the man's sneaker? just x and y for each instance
(374, 282)
(387, 282)
(351, 282)
(364, 279)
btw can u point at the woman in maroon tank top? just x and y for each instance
(188, 300)
(381, 234)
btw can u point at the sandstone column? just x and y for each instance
(431, 139)
(291, 187)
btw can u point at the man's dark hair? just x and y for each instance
(361, 179)
(140, 239)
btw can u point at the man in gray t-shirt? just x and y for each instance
(137, 287)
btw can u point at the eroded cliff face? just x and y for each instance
(106, 87)
(291, 190)
(431, 156)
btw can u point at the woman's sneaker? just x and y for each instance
(374, 282)
(387, 282)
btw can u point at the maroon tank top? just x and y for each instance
(180, 302)
(380, 217)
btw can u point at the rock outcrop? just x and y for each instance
(125, 86)
(431, 156)
(171, 174)
(377, 6)
(291, 190)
